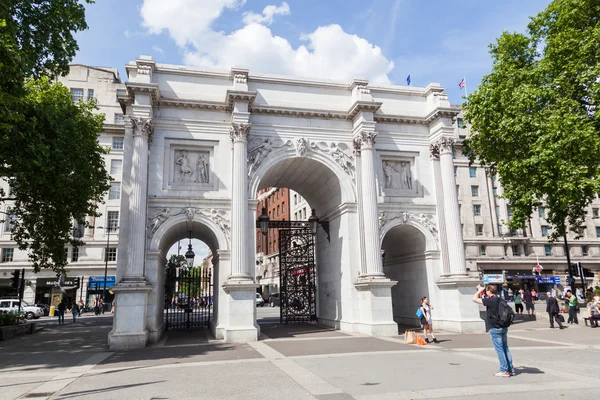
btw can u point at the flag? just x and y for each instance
(408, 80)
(462, 83)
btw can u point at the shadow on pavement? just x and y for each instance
(103, 390)
(296, 330)
(528, 370)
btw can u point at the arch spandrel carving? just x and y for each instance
(424, 222)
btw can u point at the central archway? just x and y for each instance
(329, 189)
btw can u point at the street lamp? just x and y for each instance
(189, 254)
(108, 230)
(313, 221)
(263, 222)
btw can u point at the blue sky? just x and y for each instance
(436, 41)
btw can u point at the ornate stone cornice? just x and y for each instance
(151, 89)
(191, 104)
(239, 132)
(368, 106)
(441, 113)
(400, 119)
(238, 95)
(299, 112)
(142, 127)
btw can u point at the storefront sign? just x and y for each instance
(493, 279)
(522, 277)
(98, 281)
(549, 279)
(53, 282)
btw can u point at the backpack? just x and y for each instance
(506, 315)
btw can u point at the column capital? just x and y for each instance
(364, 140)
(357, 146)
(239, 132)
(434, 151)
(142, 127)
(443, 145)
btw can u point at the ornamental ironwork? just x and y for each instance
(188, 297)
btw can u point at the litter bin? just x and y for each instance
(51, 313)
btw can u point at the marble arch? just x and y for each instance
(200, 143)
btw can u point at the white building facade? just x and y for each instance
(374, 161)
(86, 269)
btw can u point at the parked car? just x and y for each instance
(44, 307)
(28, 310)
(260, 302)
(274, 300)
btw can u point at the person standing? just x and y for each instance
(572, 308)
(519, 303)
(426, 319)
(553, 310)
(75, 311)
(529, 305)
(81, 305)
(61, 312)
(496, 308)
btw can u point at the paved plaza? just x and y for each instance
(296, 362)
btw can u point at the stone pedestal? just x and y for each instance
(459, 314)
(129, 326)
(376, 317)
(238, 321)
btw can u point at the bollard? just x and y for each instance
(51, 313)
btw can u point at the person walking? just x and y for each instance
(75, 311)
(61, 312)
(499, 316)
(519, 303)
(553, 310)
(529, 305)
(81, 305)
(426, 319)
(572, 308)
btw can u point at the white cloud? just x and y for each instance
(267, 15)
(158, 50)
(329, 51)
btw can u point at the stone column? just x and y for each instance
(452, 213)
(439, 193)
(142, 131)
(361, 249)
(239, 202)
(372, 241)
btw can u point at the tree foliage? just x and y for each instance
(536, 118)
(48, 145)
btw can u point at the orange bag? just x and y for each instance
(420, 341)
(410, 337)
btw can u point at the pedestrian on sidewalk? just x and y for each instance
(81, 306)
(61, 312)
(499, 316)
(572, 308)
(519, 303)
(553, 310)
(426, 319)
(594, 311)
(75, 311)
(529, 305)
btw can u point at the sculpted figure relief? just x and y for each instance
(185, 167)
(202, 169)
(397, 175)
(259, 148)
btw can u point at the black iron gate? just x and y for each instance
(297, 277)
(188, 297)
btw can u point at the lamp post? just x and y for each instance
(189, 254)
(108, 230)
(313, 221)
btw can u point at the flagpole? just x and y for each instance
(410, 74)
(465, 80)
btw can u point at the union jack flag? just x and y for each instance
(462, 83)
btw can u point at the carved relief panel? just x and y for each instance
(399, 176)
(188, 167)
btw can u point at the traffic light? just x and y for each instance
(574, 269)
(587, 273)
(15, 280)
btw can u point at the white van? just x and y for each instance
(30, 311)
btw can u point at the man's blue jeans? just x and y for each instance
(500, 341)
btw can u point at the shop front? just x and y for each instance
(51, 292)
(96, 288)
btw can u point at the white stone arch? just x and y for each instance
(431, 240)
(347, 182)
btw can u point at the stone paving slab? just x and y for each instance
(227, 382)
(402, 372)
(482, 341)
(14, 387)
(176, 355)
(291, 348)
(299, 330)
(186, 337)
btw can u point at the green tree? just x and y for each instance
(536, 117)
(48, 146)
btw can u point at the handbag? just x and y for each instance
(560, 318)
(410, 337)
(419, 313)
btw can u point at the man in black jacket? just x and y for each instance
(553, 310)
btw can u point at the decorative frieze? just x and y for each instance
(259, 148)
(240, 78)
(426, 220)
(340, 152)
(144, 69)
(158, 216)
(300, 146)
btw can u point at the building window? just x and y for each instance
(278, 211)
(304, 213)
(90, 94)
(542, 212)
(544, 231)
(585, 251)
(7, 255)
(473, 172)
(112, 220)
(115, 191)
(499, 229)
(598, 231)
(595, 212)
(482, 250)
(455, 171)
(8, 220)
(75, 254)
(111, 254)
(120, 92)
(460, 123)
(495, 191)
(295, 199)
(505, 251)
(525, 250)
(548, 250)
(479, 229)
(117, 143)
(477, 210)
(119, 118)
(515, 250)
(76, 94)
(508, 211)
(116, 167)
(475, 191)
(295, 216)
(79, 229)
(283, 207)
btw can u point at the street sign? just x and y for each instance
(549, 279)
(489, 278)
(538, 268)
(99, 280)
